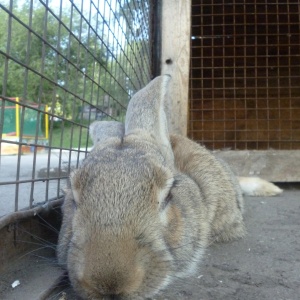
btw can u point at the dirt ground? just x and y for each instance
(263, 265)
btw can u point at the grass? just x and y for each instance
(69, 137)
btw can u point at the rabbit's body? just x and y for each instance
(128, 223)
(255, 186)
(143, 206)
(220, 191)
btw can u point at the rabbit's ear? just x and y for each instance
(146, 113)
(102, 130)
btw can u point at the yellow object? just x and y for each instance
(46, 123)
(17, 118)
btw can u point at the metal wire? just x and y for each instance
(64, 64)
(245, 74)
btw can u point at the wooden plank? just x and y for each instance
(176, 27)
(272, 165)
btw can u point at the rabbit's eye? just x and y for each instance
(169, 197)
(167, 200)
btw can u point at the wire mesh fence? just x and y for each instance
(245, 74)
(63, 64)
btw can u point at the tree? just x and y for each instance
(51, 55)
(67, 57)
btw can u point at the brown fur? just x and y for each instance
(143, 207)
(220, 190)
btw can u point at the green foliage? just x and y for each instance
(60, 57)
(57, 57)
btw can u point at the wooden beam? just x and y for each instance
(176, 28)
(272, 165)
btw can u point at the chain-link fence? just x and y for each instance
(63, 64)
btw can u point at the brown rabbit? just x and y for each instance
(144, 205)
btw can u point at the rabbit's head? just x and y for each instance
(125, 222)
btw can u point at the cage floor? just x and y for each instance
(31, 275)
(263, 265)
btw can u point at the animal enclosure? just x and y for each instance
(82, 60)
(78, 61)
(245, 74)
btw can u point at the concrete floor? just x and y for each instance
(263, 265)
(20, 194)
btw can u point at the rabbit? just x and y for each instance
(255, 186)
(144, 205)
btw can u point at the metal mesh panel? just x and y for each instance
(63, 64)
(245, 74)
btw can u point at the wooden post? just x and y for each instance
(176, 27)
